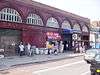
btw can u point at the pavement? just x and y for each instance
(8, 62)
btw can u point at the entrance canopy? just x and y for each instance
(70, 31)
(76, 31)
(67, 31)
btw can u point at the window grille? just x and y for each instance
(34, 20)
(52, 22)
(11, 15)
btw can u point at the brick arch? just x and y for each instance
(76, 22)
(86, 27)
(29, 12)
(69, 20)
(66, 19)
(41, 16)
(54, 18)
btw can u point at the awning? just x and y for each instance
(67, 31)
(70, 31)
(76, 31)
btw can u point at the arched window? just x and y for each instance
(77, 27)
(84, 29)
(8, 14)
(66, 25)
(34, 19)
(52, 22)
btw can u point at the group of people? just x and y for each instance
(79, 48)
(24, 49)
(54, 47)
(59, 47)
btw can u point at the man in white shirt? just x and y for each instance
(21, 47)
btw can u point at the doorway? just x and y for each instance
(67, 41)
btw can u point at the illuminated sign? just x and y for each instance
(53, 35)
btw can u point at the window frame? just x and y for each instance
(11, 15)
(52, 22)
(33, 19)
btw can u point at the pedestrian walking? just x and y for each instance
(49, 48)
(17, 49)
(29, 51)
(56, 48)
(80, 49)
(61, 47)
(83, 48)
(76, 48)
(21, 47)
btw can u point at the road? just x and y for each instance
(71, 66)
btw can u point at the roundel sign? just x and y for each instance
(74, 36)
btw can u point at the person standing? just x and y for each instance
(80, 49)
(29, 49)
(21, 47)
(56, 48)
(17, 49)
(76, 48)
(61, 47)
(83, 47)
(49, 48)
(67, 46)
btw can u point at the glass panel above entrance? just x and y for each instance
(76, 28)
(66, 25)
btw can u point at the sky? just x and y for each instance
(85, 8)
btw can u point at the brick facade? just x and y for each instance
(36, 35)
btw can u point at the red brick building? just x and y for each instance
(33, 22)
